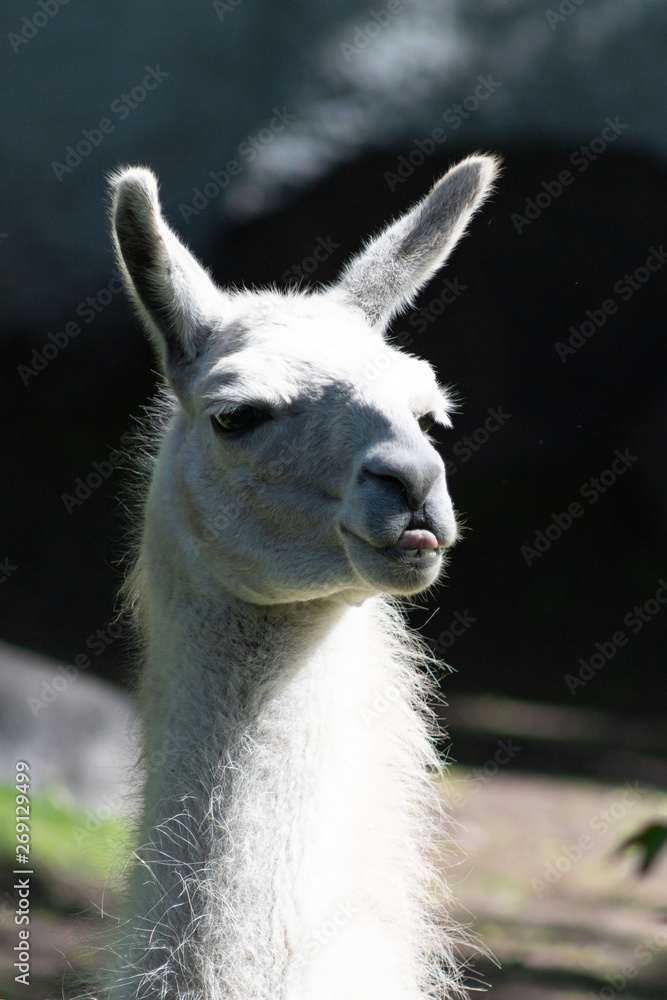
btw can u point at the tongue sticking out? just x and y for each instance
(417, 540)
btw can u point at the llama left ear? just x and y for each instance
(386, 276)
(172, 292)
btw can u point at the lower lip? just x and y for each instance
(419, 547)
(416, 557)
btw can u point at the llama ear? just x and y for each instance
(386, 276)
(172, 292)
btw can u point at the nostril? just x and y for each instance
(398, 486)
(393, 481)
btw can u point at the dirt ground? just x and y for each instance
(536, 878)
(566, 916)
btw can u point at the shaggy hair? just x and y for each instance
(290, 826)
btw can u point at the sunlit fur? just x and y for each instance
(288, 846)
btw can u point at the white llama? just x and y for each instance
(289, 819)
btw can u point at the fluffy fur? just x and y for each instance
(289, 818)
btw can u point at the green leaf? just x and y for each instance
(648, 842)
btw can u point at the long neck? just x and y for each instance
(283, 847)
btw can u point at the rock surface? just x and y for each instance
(74, 730)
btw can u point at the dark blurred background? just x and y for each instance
(283, 135)
(373, 104)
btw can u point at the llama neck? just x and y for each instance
(286, 804)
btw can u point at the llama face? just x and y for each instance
(299, 465)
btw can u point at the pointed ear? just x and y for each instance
(386, 276)
(173, 294)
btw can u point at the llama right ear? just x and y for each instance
(171, 291)
(386, 276)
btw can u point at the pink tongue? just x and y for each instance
(417, 539)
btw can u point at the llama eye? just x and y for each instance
(245, 418)
(426, 423)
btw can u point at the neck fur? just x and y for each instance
(286, 846)
(289, 814)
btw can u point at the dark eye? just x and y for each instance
(244, 418)
(426, 422)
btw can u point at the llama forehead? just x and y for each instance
(281, 349)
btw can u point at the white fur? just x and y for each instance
(288, 840)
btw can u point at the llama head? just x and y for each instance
(298, 464)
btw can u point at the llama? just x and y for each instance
(289, 826)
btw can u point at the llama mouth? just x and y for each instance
(417, 550)
(418, 545)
